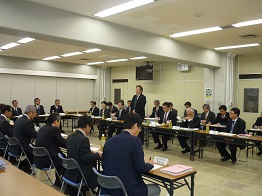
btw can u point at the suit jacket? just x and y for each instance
(219, 119)
(106, 113)
(195, 123)
(127, 164)
(258, 122)
(210, 118)
(16, 112)
(122, 116)
(171, 116)
(41, 110)
(113, 110)
(139, 105)
(78, 148)
(128, 109)
(195, 113)
(158, 113)
(50, 138)
(58, 110)
(95, 111)
(6, 129)
(24, 131)
(239, 127)
(174, 111)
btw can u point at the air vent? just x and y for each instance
(249, 36)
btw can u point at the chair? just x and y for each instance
(109, 182)
(13, 141)
(70, 163)
(4, 147)
(242, 149)
(42, 152)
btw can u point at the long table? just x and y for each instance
(15, 182)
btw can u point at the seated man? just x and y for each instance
(78, 148)
(112, 108)
(128, 109)
(120, 114)
(39, 108)
(207, 117)
(258, 125)
(105, 113)
(49, 136)
(234, 125)
(188, 105)
(165, 117)
(16, 111)
(25, 132)
(57, 107)
(94, 111)
(157, 110)
(5, 128)
(173, 110)
(222, 117)
(124, 157)
(190, 121)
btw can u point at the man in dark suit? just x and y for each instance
(222, 117)
(49, 137)
(57, 107)
(123, 157)
(78, 148)
(120, 114)
(207, 116)
(112, 108)
(16, 111)
(39, 108)
(25, 132)
(5, 128)
(129, 109)
(94, 111)
(138, 106)
(157, 110)
(258, 125)
(234, 125)
(105, 113)
(190, 121)
(165, 117)
(188, 105)
(173, 110)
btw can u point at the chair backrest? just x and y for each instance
(40, 151)
(13, 141)
(70, 163)
(109, 182)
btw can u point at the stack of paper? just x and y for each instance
(227, 134)
(156, 166)
(2, 165)
(177, 169)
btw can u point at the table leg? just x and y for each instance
(192, 184)
(192, 138)
(171, 189)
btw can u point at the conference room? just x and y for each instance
(202, 52)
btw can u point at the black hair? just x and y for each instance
(131, 119)
(53, 117)
(104, 102)
(187, 103)
(4, 108)
(94, 102)
(222, 107)
(236, 111)
(139, 86)
(14, 101)
(109, 103)
(83, 121)
(35, 99)
(121, 101)
(167, 104)
(129, 101)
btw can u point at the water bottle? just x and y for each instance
(207, 128)
(53, 111)
(76, 112)
(103, 116)
(103, 141)
(170, 124)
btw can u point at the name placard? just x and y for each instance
(161, 160)
(213, 132)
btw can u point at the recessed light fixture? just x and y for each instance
(11, 45)
(117, 60)
(95, 63)
(92, 50)
(237, 46)
(25, 40)
(122, 7)
(194, 32)
(51, 58)
(247, 23)
(71, 54)
(139, 57)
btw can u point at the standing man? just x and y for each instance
(157, 110)
(57, 107)
(78, 148)
(124, 157)
(235, 125)
(16, 111)
(138, 106)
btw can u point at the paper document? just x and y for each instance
(156, 166)
(94, 149)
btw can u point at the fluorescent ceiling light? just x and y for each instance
(92, 50)
(122, 7)
(237, 46)
(95, 63)
(194, 32)
(25, 40)
(139, 57)
(71, 54)
(247, 23)
(117, 60)
(11, 45)
(51, 58)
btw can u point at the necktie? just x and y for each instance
(223, 116)
(156, 112)
(164, 118)
(232, 127)
(119, 113)
(135, 101)
(206, 115)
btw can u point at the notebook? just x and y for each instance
(177, 169)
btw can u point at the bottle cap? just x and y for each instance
(103, 135)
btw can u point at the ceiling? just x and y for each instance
(164, 17)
